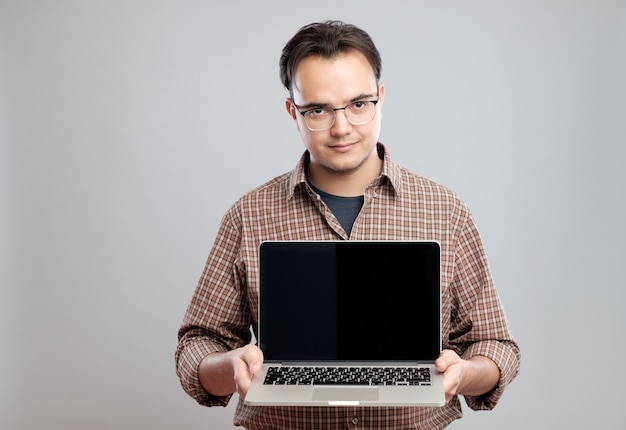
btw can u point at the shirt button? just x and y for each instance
(355, 421)
(375, 194)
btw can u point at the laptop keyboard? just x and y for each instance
(307, 375)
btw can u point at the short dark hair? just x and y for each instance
(326, 39)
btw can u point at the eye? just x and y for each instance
(360, 105)
(317, 112)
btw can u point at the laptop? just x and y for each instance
(349, 323)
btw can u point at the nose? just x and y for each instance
(341, 125)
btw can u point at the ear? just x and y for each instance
(381, 94)
(381, 99)
(291, 109)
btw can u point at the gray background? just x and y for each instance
(129, 127)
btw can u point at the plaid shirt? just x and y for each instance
(398, 205)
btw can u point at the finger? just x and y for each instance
(449, 387)
(242, 377)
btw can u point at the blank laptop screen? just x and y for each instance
(350, 301)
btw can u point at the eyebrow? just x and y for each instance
(352, 100)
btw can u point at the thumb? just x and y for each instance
(255, 366)
(443, 361)
(253, 357)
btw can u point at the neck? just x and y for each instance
(349, 183)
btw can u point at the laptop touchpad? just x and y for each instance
(359, 394)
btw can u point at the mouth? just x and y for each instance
(343, 147)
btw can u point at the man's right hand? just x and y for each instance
(223, 373)
(246, 362)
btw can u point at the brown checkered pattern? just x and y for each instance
(398, 205)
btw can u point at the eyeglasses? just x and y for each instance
(323, 118)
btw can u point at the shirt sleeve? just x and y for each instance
(218, 318)
(478, 322)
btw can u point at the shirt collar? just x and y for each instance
(391, 172)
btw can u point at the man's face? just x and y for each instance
(337, 82)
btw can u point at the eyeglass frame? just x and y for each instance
(303, 113)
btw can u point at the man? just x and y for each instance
(345, 186)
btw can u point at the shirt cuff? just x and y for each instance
(506, 355)
(188, 362)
